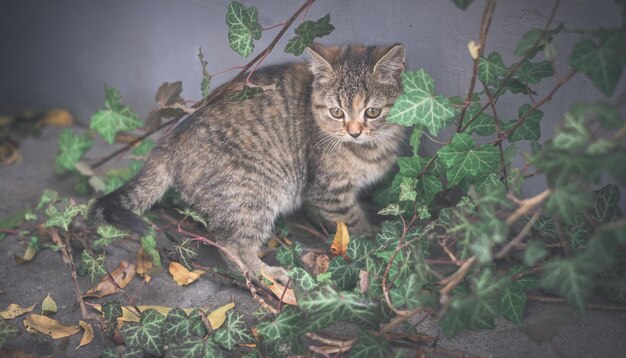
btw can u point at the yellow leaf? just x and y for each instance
(36, 323)
(182, 276)
(341, 240)
(122, 275)
(28, 255)
(216, 318)
(48, 305)
(87, 334)
(287, 294)
(144, 263)
(474, 49)
(15, 310)
(58, 117)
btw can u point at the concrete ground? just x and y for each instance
(597, 334)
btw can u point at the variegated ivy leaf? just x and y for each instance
(606, 206)
(7, 331)
(196, 216)
(491, 68)
(287, 324)
(302, 278)
(567, 200)
(572, 279)
(92, 266)
(108, 234)
(419, 104)
(513, 304)
(475, 120)
(63, 219)
(192, 347)
(367, 345)
(463, 159)
(391, 210)
(72, 147)
(407, 189)
(246, 93)
(289, 256)
(306, 32)
(235, 332)
(147, 333)
(243, 28)
(344, 273)
(532, 42)
(116, 117)
(530, 129)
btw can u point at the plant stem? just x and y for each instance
(591, 306)
(457, 277)
(527, 205)
(519, 237)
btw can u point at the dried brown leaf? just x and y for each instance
(36, 323)
(341, 240)
(87, 334)
(182, 276)
(122, 275)
(15, 310)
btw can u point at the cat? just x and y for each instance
(320, 136)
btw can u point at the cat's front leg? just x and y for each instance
(347, 209)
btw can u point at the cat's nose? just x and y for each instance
(355, 134)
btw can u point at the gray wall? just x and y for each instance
(60, 53)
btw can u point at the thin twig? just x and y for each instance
(328, 341)
(519, 237)
(526, 206)
(451, 281)
(591, 306)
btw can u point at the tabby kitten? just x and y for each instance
(321, 136)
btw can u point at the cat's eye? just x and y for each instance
(372, 113)
(336, 113)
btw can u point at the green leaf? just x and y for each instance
(407, 191)
(369, 346)
(529, 129)
(490, 68)
(606, 204)
(419, 105)
(194, 215)
(108, 234)
(535, 251)
(427, 187)
(146, 334)
(572, 279)
(149, 246)
(568, 200)
(94, 266)
(391, 210)
(112, 311)
(415, 139)
(14, 220)
(411, 166)
(184, 253)
(306, 32)
(72, 147)
(533, 73)
(602, 62)
(63, 219)
(233, 333)
(407, 293)
(287, 324)
(463, 159)
(116, 117)
(243, 28)
(302, 279)
(514, 304)
(532, 42)
(246, 93)
(343, 273)
(7, 331)
(289, 256)
(48, 196)
(177, 325)
(143, 148)
(462, 4)
(325, 306)
(205, 84)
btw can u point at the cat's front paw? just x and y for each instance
(279, 274)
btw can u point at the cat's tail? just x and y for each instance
(119, 207)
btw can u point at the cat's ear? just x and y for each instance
(320, 66)
(391, 65)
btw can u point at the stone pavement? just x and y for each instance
(597, 334)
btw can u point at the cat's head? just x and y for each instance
(354, 88)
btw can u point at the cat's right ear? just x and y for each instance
(320, 66)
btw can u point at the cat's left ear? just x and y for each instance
(391, 65)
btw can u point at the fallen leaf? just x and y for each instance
(9, 154)
(321, 264)
(182, 276)
(28, 255)
(58, 117)
(218, 316)
(36, 323)
(144, 263)
(5, 353)
(122, 275)
(15, 310)
(341, 240)
(87, 334)
(48, 305)
(474, 49)
(287, 294)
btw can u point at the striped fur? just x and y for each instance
(243, 164)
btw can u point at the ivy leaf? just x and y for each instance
(368, 346)
(108, 234)
(463, 159)
(7, 331)
(533, 73)
(48, 196)
(462, 4)
(112, 311)
(194, 215)
(530, 129)
(243, 28)
(601, 62)
(149, 246)
(306, 32)
(72, 147)
(513, 303)
(415, 139)
(407, 294)
(205, 84)
(490, 68)
(606, 204)
(391, 210)
(526, 46)
(302, 279)
(233, 333)
(287, 324)
(184, 253)
(572, 279)
(419, 105)
(325, 306)
(535, 251)
(246, 93)
(146, 334)
(427, 187)
(193, 347)
(343, 273)
(568, 200)
(116, 117)
(176, 325)
(289, 256)
(407, 191)
(93, 266)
